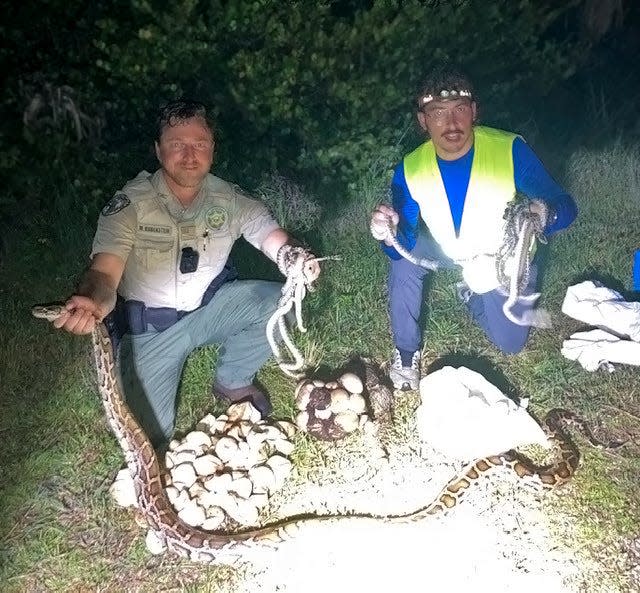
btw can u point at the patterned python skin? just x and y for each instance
(229, 548)
(522, 230)
(548, 477)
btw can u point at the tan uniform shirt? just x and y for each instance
(146, 226)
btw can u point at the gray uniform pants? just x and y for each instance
(151, 363)
(405, 285)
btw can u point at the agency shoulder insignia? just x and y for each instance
(119, 202)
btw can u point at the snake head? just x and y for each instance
(310, 272)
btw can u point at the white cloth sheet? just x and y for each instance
(464, 416)
(598, 348)
(617, 337)
(602, 307)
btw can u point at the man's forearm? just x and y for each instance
(408, 212)
(99, 287)
(273, 242)
(533, 180)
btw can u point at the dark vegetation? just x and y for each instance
(321, 92)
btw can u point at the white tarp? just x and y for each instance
(465, 417)
(604, 308)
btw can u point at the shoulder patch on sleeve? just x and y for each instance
(119, 202)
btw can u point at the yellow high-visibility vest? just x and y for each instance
(491, 188)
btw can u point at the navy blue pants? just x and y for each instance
(405, 285)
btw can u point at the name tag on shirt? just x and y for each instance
(154, 228)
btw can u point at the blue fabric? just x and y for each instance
(405, 287)
(406, 357)
(456, 175)
(530, 178)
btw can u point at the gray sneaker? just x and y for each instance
(405, 378)
(463, 292)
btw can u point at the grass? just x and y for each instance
(60, 531)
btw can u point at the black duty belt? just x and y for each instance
(134, 317)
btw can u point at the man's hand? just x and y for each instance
(292, 259)
(80, 315)
(541, 210)
(382, 217)
(97, 295)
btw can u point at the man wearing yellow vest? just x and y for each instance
(160, 276)
(459, 183)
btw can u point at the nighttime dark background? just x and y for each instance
(320, 92)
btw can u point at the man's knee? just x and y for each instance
(403, 270)
(256, 299)
(406, 280)
(270, 294)
(265, 289)
(511, 342)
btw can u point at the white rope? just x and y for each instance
(293, 292)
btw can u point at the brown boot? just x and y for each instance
(250, 393)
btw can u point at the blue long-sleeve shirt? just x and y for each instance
(530, 177)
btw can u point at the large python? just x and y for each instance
(230, 548)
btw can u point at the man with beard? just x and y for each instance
(159, 271)
(460, 183)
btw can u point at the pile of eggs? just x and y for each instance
(222, 473)
(331, 410)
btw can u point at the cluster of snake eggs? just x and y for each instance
(223, 472)
(330, 411)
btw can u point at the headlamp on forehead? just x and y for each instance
(445, 94)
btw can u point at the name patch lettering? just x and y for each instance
(188, 233)
(150, 228)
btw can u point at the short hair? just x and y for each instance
(445, 78)
(177, 112)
